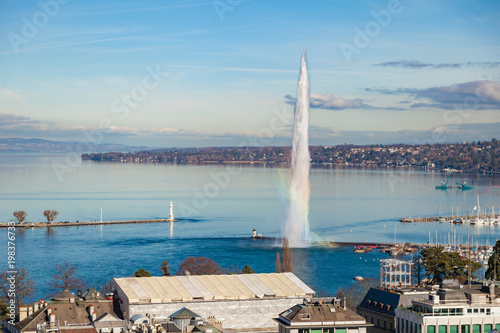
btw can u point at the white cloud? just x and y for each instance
(9, 95)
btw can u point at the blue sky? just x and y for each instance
(224, 72)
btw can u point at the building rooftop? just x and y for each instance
(318, 314)
(69, 314)
(385, 301)
(211, 287)
(64, 296)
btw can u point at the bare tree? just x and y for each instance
(25, 287)
(165, 268)
(355, 293)
(287, 257)
(199, 266)
(50, 215)
(285, 264)
(20, 215)
(65, 278)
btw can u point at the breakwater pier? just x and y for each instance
(441, 218)
(79, 224)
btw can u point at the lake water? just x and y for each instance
(217, 207)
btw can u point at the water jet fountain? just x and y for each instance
(296, 227)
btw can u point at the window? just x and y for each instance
(328, 330)
(431, 329)
(476, 310)
(315, 330)
(482, 310)
(443, 328)
(476, 328)
(488, 311)
(453, 328)
(469, 310)
(303, 330)
(465, 328)
(497, 326)
(487, 328)
(341, 330)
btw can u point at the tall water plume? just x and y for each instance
(296, 227)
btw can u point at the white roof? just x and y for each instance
(166, 289)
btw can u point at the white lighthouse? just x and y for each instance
(171, 215)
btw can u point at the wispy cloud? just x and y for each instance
(480, 95)
(330, 102)
(414, 64)
(235, 69)
(136, 10)
(7, 95)
(12, 122)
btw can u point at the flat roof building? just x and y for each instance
(240, 302)
(452, 311)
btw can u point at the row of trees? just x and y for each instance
(196, 266)
(49, 214)
(207, 266)
(474, 156)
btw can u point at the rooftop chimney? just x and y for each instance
(52, 319)
(23, 312)
(91, 309)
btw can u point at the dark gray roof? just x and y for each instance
(170, 326)
(64, 296)
(184, 313)
(321, 313)
(92, 295)
(452, 295)
(385, 301)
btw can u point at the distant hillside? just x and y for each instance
(40, 145)
(469, 157)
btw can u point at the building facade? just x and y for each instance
(379, 305)
(451, 311)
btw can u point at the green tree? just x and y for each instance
(493, 271)
(418, 269)
(141, 272)
(165, 268)
(440, 265)
(248, 270)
